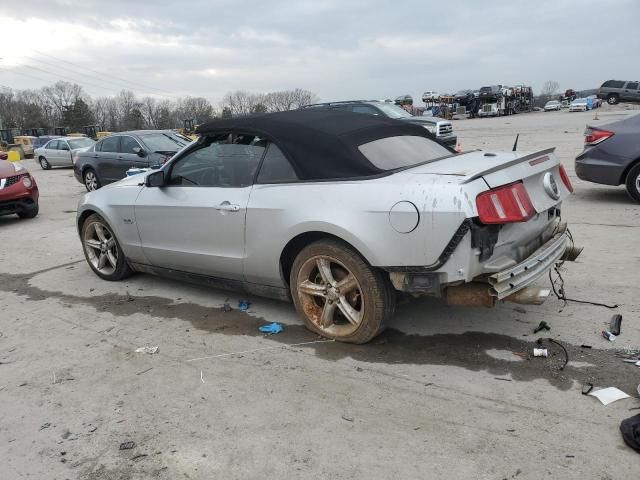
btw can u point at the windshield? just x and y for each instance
(553, 102)
(580, 100)
(393, 111)
(80, 143)
(163, 142)
(403, 151)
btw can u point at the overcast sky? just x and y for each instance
(340, 49)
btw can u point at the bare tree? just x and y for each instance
(550, 89)
(289, 99)
(63, 102)
(198, 108)
(239, 102)
(62, 96)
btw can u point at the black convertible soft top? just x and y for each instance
(321, 144)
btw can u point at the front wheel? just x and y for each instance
(91, 181)
(612, 99)
(338, 294)
(44, 163)
(633, 183)
(102, 250)
(30, 213)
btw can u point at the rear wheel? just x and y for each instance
(633, 183)
(91, 181)
(44, 163)
(612, 99)
(102, 250)
(338, 294)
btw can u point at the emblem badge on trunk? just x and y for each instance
(550, 186)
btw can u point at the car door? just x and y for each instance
(196, 222)
(630, 93)
(128, 156)
(50, 152)
(64, 154)
(106, 161)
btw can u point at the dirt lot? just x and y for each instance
(445, 393)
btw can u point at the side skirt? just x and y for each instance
(276, 293)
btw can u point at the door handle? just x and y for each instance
(227, 207)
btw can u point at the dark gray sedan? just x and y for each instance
(109, 159)
(611, 155)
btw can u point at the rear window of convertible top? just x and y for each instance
(404, 151)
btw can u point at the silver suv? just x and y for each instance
(614, 91)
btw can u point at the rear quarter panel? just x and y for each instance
(358, 213)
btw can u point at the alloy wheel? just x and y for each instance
(91, 181)
(44, 163)
(100, 246)
(330, 295)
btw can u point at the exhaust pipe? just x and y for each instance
(477, 295)
(529, 296)
(470, 295)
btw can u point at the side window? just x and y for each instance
(110, 144)
(632, 86)
(276, 168)
(613, 84)
(222, 161)
(365, 109)
(127, 144)
(52, 145)
(346, 108)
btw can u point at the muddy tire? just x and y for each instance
(102, 250)
(338, 294)
(633, 183)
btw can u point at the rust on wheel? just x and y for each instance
(330, 296)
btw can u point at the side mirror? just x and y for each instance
(140, 152)
(155, 179)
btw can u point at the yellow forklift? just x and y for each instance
(94, 132)
(189, 129)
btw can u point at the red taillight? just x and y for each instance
(565, 179)
(594, 136)
(506, 204)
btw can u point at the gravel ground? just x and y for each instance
(444, 393)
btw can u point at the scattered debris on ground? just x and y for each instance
(271, 328)
(149, 350)
(615, 324)
(630, 429)
(127, 445)
(609, 395)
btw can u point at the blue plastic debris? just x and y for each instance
(272, 328)
(243, 304)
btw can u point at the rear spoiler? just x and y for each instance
(515, 161)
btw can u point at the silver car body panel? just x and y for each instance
(179, 227)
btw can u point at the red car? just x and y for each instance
(18, 191)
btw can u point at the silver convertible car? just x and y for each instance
(337, 212)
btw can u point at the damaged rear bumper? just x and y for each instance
(514, 279)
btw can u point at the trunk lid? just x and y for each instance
(498, 169)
